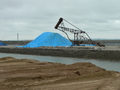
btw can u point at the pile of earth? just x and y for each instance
(24, 74)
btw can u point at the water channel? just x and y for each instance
(108, 65)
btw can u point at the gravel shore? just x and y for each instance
(104, 53)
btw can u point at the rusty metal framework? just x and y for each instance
(80, 36)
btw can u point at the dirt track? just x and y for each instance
(23, 74)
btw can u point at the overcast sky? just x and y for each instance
(30, 18)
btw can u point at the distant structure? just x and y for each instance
(80, 36)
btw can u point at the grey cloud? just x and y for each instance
(37, 16)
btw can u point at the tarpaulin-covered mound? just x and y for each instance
(2, 44)
(49, 39)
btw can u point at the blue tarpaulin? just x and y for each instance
(87, 45)
(2, 44)
(49, 39)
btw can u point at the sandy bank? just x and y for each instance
(24, 74)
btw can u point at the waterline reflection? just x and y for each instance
(108, 65)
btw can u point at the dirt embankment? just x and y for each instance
(104, 53)
(24, 74)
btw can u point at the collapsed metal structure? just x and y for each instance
(80, 37)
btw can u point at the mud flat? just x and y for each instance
(24, 74)
(104, 53)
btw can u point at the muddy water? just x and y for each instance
(108, 65)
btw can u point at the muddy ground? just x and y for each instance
(24, 74)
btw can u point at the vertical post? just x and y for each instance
(17, 38)
(74, 39)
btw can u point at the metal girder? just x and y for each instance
(80, 36)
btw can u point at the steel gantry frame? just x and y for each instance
(80, 36)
